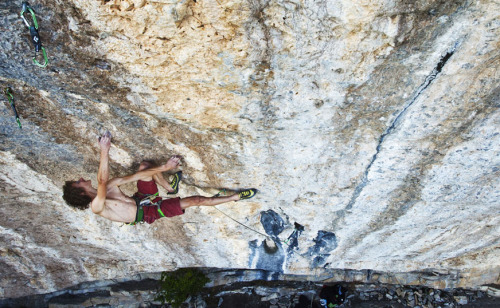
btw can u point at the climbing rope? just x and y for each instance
(8, 92)
(244, 224)
(223, 192)
(35, 37)
(297, 228)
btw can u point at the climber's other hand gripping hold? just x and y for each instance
(172, 163)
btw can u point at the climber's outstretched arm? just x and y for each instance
(171, 164)
(97, 204)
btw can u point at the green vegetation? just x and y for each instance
(176, 287)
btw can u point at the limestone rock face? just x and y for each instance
(371, 129)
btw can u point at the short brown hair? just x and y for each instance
(75, 196)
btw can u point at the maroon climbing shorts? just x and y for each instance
(170, 207)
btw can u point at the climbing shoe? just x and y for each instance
(175, 183)
(247, 194)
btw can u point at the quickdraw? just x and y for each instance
(35, 37)
(8, 92)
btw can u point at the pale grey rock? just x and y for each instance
(373, 124)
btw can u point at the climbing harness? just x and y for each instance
(35, 37)
(147, 200)
(8, 92)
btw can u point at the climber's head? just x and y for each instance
(76, 193)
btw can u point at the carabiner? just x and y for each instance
(35, 37)
(8, 92)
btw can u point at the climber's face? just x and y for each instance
(82, 183)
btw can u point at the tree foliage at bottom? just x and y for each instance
(177, 286)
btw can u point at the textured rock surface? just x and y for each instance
(374, 125)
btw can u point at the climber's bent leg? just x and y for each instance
(158, 177)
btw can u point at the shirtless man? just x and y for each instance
(110, 202)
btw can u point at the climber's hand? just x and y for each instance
(172, 163)
(105, 141)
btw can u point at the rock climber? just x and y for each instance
(110, 202)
